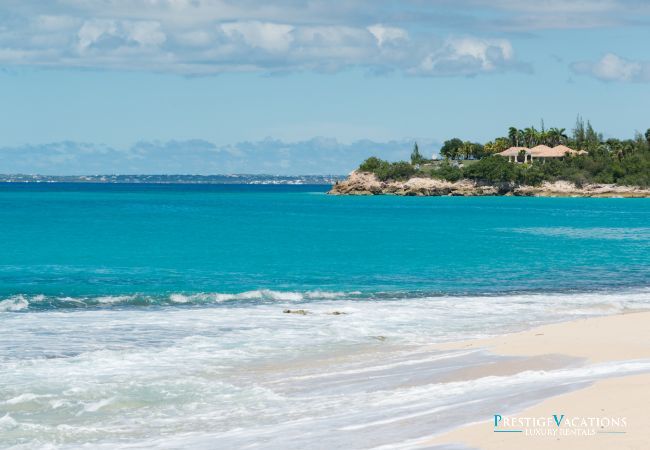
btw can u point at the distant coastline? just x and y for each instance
(175, 179)
(366, 183)
(528, 162)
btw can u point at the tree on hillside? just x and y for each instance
(531, 137)
(592, 139)
(590, 133)
(471, 150)
(416, 157)
(467, 150)
(451, 149)
(513, 135)
(579, 133)
(647, 136)
(498, 145)
(520, 137)
(556, 136)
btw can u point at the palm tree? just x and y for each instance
(467, 149)
(531, 136)
(543, 137)
(513, 135)
(557, 136)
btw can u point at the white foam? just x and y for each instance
(16, 303)
(383, 367)
(228, 377)
(112, 299)
(7, 422)
(327, 295)
(96, 406)
(23, 398)
(180, 298)
(260, 294)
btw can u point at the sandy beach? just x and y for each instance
(597, 340)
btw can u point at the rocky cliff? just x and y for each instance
(363, 183)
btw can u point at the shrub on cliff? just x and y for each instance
(371, 164)
(494, 169)
(529, 175)
(385, 170)
(447, 172)
(400, 170)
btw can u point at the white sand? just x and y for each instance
(602, 339)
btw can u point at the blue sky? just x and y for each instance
(195, 86)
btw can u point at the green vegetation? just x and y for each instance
(385, 170)
(416, 157)
(611, 161)
(446, 171)
(530, 137)
(457, 149)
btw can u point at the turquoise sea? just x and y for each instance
(151, 316)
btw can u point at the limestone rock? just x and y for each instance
(364, 183)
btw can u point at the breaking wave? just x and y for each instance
(14, 303)
(23, 302)
(576, 302)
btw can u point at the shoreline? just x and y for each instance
(599, 340)
(365, 183)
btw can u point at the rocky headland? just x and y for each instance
(365, 183)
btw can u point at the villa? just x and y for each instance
(541, 152)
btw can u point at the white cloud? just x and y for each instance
(468, 56)
(612, 67)
(142, 33)
(201, 37)
(92, 30)
(269, 156)
(272, 37)
(385, 34)
(488, 51)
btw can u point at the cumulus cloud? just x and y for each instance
(121, 33)
(469, 56)
(272, 37)
(387, 35)
(196, 37)
(318, 156)
(612, 67)
(200, 37)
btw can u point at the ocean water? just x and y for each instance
(152, 316)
